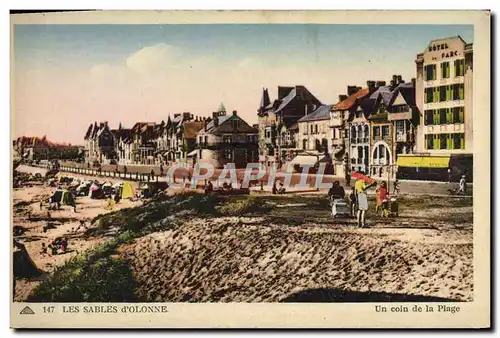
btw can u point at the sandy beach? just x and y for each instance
(29, 221)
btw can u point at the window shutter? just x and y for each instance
(434, 71)
(441, 65)
(462, 141)
(449, 141)
(436, 142)
(461, 114)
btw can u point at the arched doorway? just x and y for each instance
(381, 154)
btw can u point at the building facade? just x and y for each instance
(278, 122)
(444, 96)
(226, 139)
(99, 146)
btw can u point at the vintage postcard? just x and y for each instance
(250, 169)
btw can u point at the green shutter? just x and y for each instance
(462, 141)
(435, 94)
(447, 70)
(449, 116)
(461, 114)
(461, 92)
(441, 65)
(436, 142)
(462, 67)
(436, 116)
(449, 141)
(434, 71)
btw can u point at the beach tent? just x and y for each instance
(126, 190)
(94, 191)
(63, 196)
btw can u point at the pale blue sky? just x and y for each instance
(83, 72)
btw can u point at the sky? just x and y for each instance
(68, 76)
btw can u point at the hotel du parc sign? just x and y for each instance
(445, 49)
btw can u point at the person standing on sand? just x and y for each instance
(461, 189)
(362, 200)
(396, 187)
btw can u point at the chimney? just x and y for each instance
(351, 90)
(176, 115)
(342, 97)
(395, 78)
(393, 84)
(235, 113)
(216, 119)
(205, 124)
(413, 81)
(256, 126)
(371, 86)
(400, 79)
(186, 116)
(380, 84)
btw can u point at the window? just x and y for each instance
(366, 132)
(443, 141)
(459, 67)
(458, 91)
(227, 139)
(429, 117)
(385, 131)
(376, 131)
(228, 154)
(400, 127)
(442, 116)
(429, 95)
(304, 144)
(445, 70)
(206, 139)
(442, 94)
(429, 141)
(430, 72)
(316, 128)
(311, 128)
(400, 108)
(353, 132)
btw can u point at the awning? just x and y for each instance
(192, 153)
(306, 160)
(424, 161)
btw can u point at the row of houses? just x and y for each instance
(417, 127)
(364, 131)
(412, 127)
(183, 139)
(36, 148)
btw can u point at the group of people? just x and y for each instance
(358, 198)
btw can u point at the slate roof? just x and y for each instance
(321, 113)
(222, 119)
